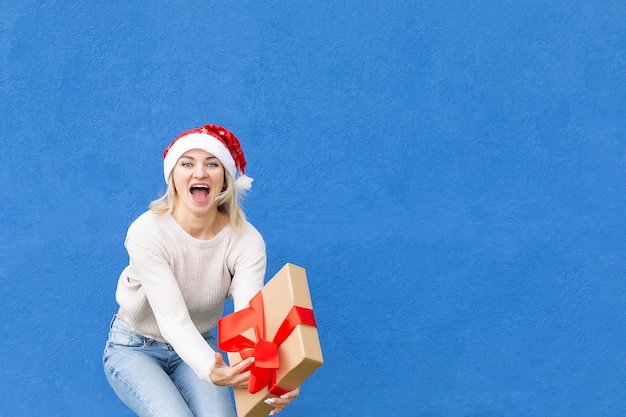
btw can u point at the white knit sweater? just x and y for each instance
(174, 287)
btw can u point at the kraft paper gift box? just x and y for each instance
(277, 328)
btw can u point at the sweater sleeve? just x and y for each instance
(169, 308)
(247, 264)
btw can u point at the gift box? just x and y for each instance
(278, 328)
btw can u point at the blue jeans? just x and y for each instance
(152, 380)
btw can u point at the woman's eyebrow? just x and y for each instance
(191, 157)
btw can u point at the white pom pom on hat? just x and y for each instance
(217, 140)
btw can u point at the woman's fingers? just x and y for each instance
(219, 360)
(281, 402)
(240, 374)
(241, 366)
(241, 380)
(236, 375)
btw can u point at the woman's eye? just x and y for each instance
(186, 164)
(212, 164)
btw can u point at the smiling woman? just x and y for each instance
(190, 251)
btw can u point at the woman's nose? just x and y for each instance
(199, 171)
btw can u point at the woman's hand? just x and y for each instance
(281, 402)
(234, 376)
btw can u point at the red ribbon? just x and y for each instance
(265, 352)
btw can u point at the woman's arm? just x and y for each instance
(169, 308)
(247, 263)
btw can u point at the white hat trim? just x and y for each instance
(203, 141)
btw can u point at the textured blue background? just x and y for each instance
(451, 174)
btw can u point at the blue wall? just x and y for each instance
(451, 174)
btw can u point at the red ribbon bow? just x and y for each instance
(265, 352)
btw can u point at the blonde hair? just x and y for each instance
(228, 202)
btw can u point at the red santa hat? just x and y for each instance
(217, 140)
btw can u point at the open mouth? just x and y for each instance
(199, 193)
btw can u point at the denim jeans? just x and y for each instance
(152, 380)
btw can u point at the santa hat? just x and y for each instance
(217, 140)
